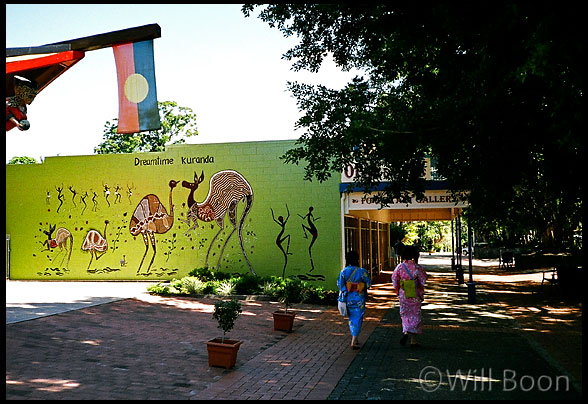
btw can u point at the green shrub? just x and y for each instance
(270, 288)
(204, 274)
(192, 285)
(311, 295)
(222, 276)
(158, 289)
(291, 292)
(226, 287)
(247, 284)
(204, 281)
(226, 312)
(175, 286)
(210, 288)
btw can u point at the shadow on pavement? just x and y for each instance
(519, 340)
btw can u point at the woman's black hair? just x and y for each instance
(409, 253)
(352, 258)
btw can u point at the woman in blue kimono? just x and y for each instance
(353, 283)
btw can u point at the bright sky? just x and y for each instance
(210, 58)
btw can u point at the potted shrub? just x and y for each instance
(284, 320)
(222, 352)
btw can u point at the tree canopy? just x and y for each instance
(491, 91)
(22, 160)
(177, 123)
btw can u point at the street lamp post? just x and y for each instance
(471, 284)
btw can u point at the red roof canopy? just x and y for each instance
(43, 64)
(41, 69)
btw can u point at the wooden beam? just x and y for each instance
(136, 34)
(94, 42)
(109, 39)
(37, 50)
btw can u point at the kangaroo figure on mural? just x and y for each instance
(227, 188)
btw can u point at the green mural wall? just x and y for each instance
(97, 217)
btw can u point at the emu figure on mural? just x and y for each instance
(96, 244)
(151, 217)
(227, 188)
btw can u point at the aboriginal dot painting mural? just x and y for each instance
(234, 207)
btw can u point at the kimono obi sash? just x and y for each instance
(355, 286)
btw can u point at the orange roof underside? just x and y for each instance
(43, 69)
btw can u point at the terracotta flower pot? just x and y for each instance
(283, 321)
(223, 354)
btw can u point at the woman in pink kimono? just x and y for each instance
(410, 307)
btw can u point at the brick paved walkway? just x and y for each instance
(151, 347)
(154, 348)
(305, 365)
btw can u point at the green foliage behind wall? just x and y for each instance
(82, 193)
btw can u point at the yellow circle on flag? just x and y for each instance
(136, 88)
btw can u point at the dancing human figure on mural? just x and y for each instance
(311, 228)
(227, 188)
(60, 197)
(151, 217)
(96, 244)
(83, 199)
(95, 207)
(130, 192)
(74, 192)
(279, 239)
(60, 240)
(106, 193)
(117, 195)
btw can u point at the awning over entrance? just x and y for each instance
(409, 215)
(366, 223)
(437, 205)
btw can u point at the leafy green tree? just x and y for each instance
(491, 91)
(226, 312)
(430, 235)
(177, 123)
(22, 160)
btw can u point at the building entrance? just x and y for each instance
(366, 225)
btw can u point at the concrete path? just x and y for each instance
(27, 300)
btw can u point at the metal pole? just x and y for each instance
(470, 248)
(452, 246)
(471, 283)
(459, 272)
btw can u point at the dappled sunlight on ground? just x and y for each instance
(179, 302)
(48, 385)
(511, 299)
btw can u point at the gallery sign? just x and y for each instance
(432, 199)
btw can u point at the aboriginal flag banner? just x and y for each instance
(137, 93)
